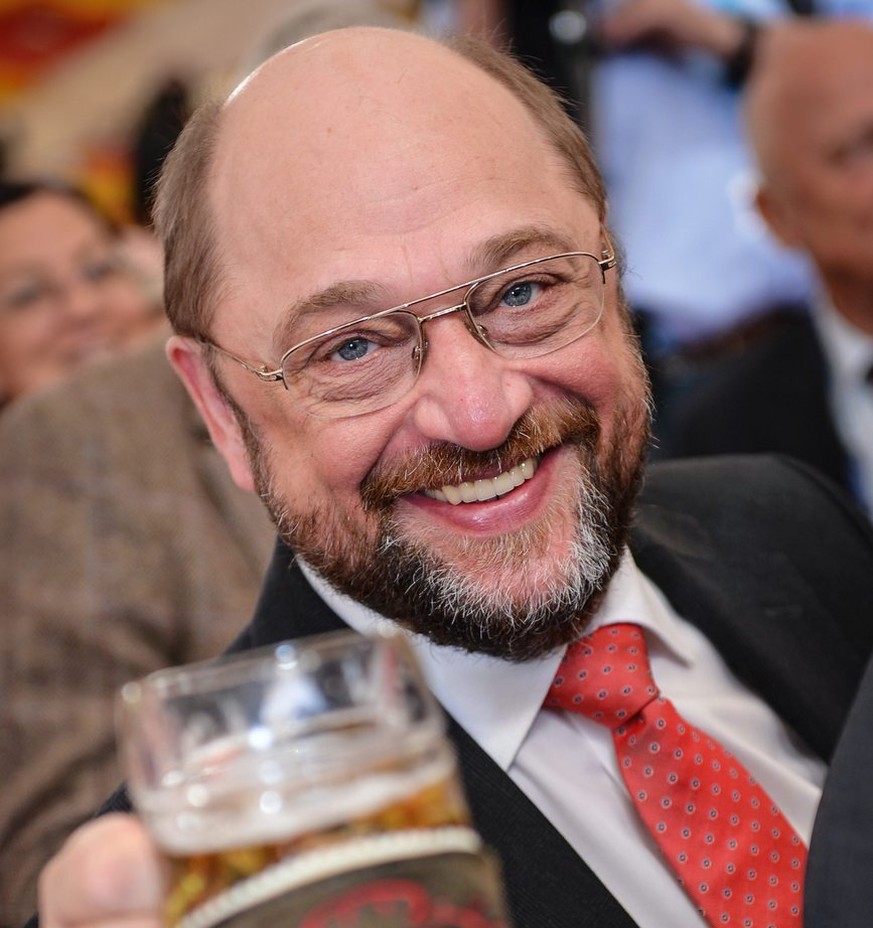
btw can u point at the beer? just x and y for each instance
(312, 785)
(202, 873)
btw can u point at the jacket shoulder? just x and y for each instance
(757, 510)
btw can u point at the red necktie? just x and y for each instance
(733, 851)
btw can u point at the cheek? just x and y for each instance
(606, 365)
(28, 340)
(27, 361)
(610, 376)
(319, 462)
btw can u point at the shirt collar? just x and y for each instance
(495, 700)
(849, 350)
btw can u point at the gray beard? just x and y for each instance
(451, 608)
(380, 567)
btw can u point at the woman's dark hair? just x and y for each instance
(13, 192)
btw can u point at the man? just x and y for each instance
(807, 390)
(469, 469)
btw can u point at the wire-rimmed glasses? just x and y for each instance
(524, 311)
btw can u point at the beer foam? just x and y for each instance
(244, 811)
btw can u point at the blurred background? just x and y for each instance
(90, 89)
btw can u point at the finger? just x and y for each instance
(109, 871)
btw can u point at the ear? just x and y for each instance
(779, 217)
(186, 357)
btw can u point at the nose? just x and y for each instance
(83, 301)
(467, 394)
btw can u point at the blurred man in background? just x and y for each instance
(807, 389)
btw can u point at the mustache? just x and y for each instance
(565, 421)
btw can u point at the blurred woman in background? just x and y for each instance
(72, 289)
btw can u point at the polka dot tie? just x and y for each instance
(731, 848)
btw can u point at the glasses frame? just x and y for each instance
(271, 375)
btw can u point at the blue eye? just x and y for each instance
(519, 294)
(354, 349)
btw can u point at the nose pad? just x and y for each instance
(419, 353)
(480, 333)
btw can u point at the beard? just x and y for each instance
(509, 596)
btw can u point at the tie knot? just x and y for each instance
(605, 676)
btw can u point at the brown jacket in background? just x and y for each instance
(124, 547)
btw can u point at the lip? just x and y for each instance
(504, 513)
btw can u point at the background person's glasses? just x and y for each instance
(521, 312)
(31, 292)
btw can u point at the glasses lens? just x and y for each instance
(356, 368)
(539, 308)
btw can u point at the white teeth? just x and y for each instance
(484, 490)
(453, 495)
(502, 484)
(468, 493)
(480, 491)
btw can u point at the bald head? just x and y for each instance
(800, 82)
(342, 122)
(810, 117)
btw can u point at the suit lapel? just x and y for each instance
(759, 613)
(547, 884)
(800, 421)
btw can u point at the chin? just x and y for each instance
(515, 596)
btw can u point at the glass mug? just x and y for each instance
(308, 785)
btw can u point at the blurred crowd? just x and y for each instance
(736, 138)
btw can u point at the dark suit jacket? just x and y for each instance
(771, 562)
(771, 397)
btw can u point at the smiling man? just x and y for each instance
(398, 309)
(389, 421)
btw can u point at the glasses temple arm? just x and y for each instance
(262, 372)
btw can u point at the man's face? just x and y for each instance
(821, 166)
(383, 210)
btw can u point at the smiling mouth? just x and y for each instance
(480, 491)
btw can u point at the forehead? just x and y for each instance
(45, 224)
(826, 85)
(375, 166)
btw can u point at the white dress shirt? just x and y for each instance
(566, 764)
(849, 354)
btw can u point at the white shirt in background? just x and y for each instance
(849, 355)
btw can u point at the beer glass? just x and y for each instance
(307, 784)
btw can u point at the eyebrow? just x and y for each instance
(503, 250)
(368, 296)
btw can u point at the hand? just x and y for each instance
(108, 875)
(671, 24)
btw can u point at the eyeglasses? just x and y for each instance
(521, 312)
